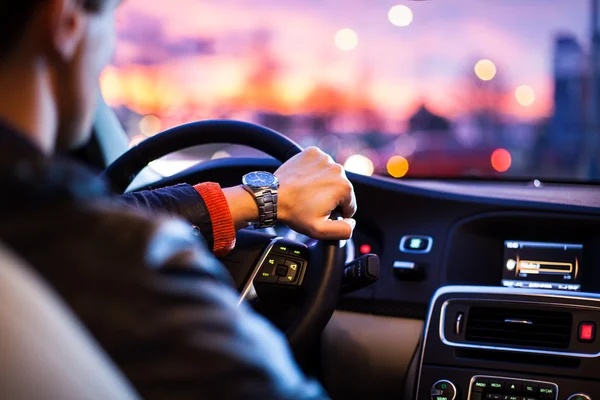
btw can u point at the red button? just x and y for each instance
(587, 331)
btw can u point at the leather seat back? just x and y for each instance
(45, 352)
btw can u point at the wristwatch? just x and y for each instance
(263, 186)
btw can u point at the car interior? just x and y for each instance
(455, 285)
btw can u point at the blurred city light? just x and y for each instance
(220, 154)
(405, 145)
(525, 95)
(150, 125)
(346, 39)
(485, 70)
(400, 15)
(501, 160)
(359, 164)
(137, 139)
(397, 166)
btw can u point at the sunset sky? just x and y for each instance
(180, 54)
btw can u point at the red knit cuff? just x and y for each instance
(222, 221)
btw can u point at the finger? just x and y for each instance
(340, 229)
(348, 203)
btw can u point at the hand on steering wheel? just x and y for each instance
(312, 185)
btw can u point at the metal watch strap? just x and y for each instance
(266, 200)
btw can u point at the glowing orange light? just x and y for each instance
(397, 166)
(501, 160)
(485, 70)
(365, 249)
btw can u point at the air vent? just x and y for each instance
(519, 327)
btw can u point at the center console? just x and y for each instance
(514, 343)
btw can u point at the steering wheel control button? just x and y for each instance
(443, 390)
(281, 270)
(281, 249)
(547, 391)
(579, 396)
(301, 252)
(292, 269)
(416, 244)
(267, 273)
(586, 332)
(479, 385)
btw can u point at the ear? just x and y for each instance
(67, 23)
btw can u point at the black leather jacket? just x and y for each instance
(152, 295)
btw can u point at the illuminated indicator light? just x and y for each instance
(443, 386)
(297, 252)
(525, 95)
(346, 39)
(400, 15)
(272, 261)
(485, 70)
(359, 164)
(501, 160)
(365, 249)
(397, 166)
(586, 331)
(266, 274)
(415, 243)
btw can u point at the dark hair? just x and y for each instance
(16, 14)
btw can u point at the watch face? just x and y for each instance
(260, 179)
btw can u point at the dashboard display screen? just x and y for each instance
(542, 265)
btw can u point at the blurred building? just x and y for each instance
(567, 124)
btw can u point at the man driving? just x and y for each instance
(157, 301)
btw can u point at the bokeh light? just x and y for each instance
(150, 125)
(485, 70)
(400, 15)
(359, 164)
(525, 95)
(365, 249)
(397, 166)
(501, 160)
(346, 39)
(405, 145)
(137, 139)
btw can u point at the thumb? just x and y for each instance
(340, 229)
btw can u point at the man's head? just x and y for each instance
(58, 49)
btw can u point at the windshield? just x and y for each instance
(460, 88)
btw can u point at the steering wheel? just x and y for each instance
(297, 286)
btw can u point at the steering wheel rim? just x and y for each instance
(124, 170)
(320, 302)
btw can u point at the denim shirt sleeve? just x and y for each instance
(180, 200)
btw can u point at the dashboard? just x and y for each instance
(451, 252)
